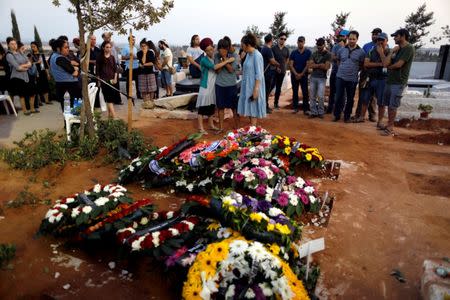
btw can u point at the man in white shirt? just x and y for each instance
(193, 54)
(167, 67)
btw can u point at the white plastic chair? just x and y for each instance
(72, 119)
(5, 99)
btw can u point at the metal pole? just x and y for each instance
(130, 83)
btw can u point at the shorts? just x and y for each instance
(207, 110)
(226, 97)
(393, 94)
(375, 88)
(166, 78)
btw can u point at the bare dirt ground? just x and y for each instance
(391, 212)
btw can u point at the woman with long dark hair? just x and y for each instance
(107, 70)
(194, 54)
(4, 70)
(42, 72)
(146, 77)
(64, 73)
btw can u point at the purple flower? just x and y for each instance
(304, 198)
(259, 295)
(264, 206)
(263, 162)
(291, 180)
(261, 174)
(238, 177)
(261, 189)
(242, 159)
(219, 173)
(275, 169)
(250, 203)
(283, 199)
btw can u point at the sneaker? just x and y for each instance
(35, 111)
(336, 119)
(268, 110)
(306, 112)
(312, 116)
(320, 116)
(372, 119)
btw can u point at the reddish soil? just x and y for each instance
(438, 131)
(390, 212)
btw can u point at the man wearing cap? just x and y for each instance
(319, 63)
(373, 64)
(398, 64)
(166, 64)
(126, 58)
(341, 42)
(350, 60)
(364, 80)
(270, 64)
(299, 74)
(281, 55)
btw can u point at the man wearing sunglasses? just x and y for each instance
(281, 55)
(350, 60)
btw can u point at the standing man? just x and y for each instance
(350, 60)
(95, 51)
(281, 55)
(398, 64)
(166, 64)
(373, 64)
(135, 66)
(341, 43)
(270, 65)
(299, 74)
(319, 63)
(363, 81)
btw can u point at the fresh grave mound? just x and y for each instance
(424, 124)
(439, 138)
(438, 131)
(241, 189)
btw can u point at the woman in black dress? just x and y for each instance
(42, 72)
(107, 70)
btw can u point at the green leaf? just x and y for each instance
(290, 211)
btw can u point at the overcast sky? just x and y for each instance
(218, 18)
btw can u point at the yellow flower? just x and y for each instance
(283, 229)
(191, 292)
(287, 142)
(270, 227)
(218, 251)
(275, 249)
(318, 156)
(213, 226)
(308, 156)
(275, 141)
(287, 150)
(231, 208)
(255, 217)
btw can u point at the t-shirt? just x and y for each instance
(320, 58)
(377, 72)
(351, 61)
(300, 59)
(335, 51)
(167, 53)
(194, 52)
(224, 77)
(267, 54)
(281, 55)
(367, 47)
(126, 52)
(400, 76)
(93, 54)
(149, 57)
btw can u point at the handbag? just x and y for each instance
(172, 70)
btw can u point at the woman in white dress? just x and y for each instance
(206, 100)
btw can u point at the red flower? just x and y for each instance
(147, 242)
(164, 235)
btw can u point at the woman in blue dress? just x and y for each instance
(252, 101)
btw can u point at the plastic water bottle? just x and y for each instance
(67, 103)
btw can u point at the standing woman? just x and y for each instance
(206, 100)
(64, 73)
(4, 70)
(19, 83)
(107, 70)
(43, 74)
(193, 55)
(146, 77)
(252, 100)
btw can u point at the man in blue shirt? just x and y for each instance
(363, 80)
(126, 57)
(299, 74)
(341, 41)
(270, 64)
(350, 60)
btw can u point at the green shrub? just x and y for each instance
(7, 252)
(88, 148)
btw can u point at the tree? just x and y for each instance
(15, 27)
(114, 15)
(416, 23)
(445, 35)
(37, 38)
(278, 26)
(254, 29)
(340, 21)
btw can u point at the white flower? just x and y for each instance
(269, 193)
(189, 224)
(181, 183)
(144, 221)
(257, 251)
(117, 194)
(106, 188)
(75, 212)
(174, 231)
(97, 188)
(86, 209)
(58, 217)
(252, 129)
(268, 172)
(209, 286)
(249, 176)
(309, 189)
(101, 201)
(155, 216)
(238, 247)
(135, 225)
(87, 193)
(135, 160)
(138, 164)
(51, 212)
(190, 187)
(255, 161)
(312, 199)
(273, 212)
(136, 245)
(223, 233)
(131, 168)
(227, 200)
(300, 182)
(293, 200)
(155, 238)
(250, 294)
(61, 206)
(169, 215)
(230, 292)
(238, 197)
(162, 149)
(266, 289)
(205, 182)
(126, 229)
(70, 200)
(264, 216)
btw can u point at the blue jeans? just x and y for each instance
(393, 94)
(303, 83)
(348, 87)
(375, 88)
(317, 95)
(166, 78)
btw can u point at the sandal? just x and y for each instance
(213, 128)
(381, 126)
(388, 132)
(203, 131)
